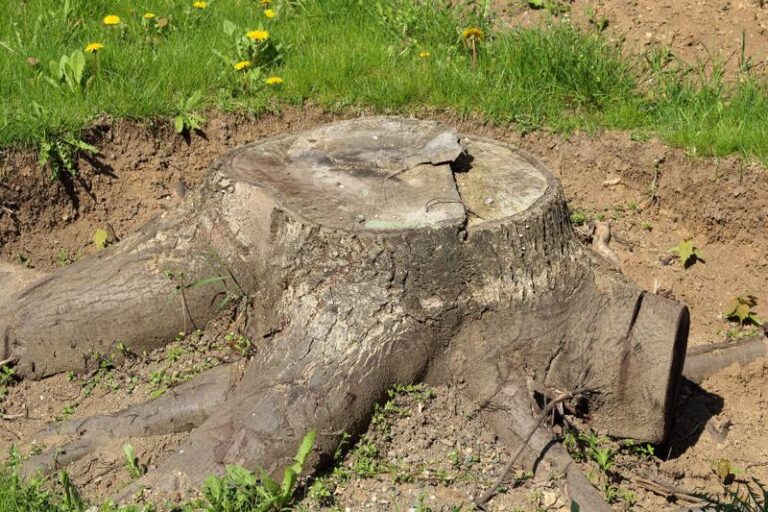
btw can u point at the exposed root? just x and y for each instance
(11, 417)
(493, 489)
(179, 410)
(703, 361)
(600, 241)
(667, 490)
(509, 413)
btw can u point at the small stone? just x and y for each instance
(488, 201)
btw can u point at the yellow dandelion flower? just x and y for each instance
(265, 3)
(473, 33)
(149, 15)
(200, 5)
(243, 64)
(423, 54)
(94, 47)
(273, 80)
(270, 13)
(111, 20)
(257, 35)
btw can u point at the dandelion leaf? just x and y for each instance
(77, 65)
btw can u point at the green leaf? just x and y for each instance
(289, 481)
(687, 253)
(194, 99)
(55, 70)
(179, 123)
(44, 153)
(240, 476)
(575, 507)
(77, 64)
(306, 448)
(130, 453)
(685, 250)
(100, 238)
(730, 308)
(63, 62)
(229, 28)
(214, 490)
(81, 145)
(741, 312)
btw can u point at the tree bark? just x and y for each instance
(704, 361)
(373, 252)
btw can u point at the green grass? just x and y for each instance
(238, 490)
(343, 53)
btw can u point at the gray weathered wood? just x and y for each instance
(372, 252)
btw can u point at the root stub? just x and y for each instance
(373, 252)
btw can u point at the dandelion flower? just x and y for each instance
(200, 4)
(473, 33)
(423, 54)
(111, 20)
(149, 15)
(265, 3)
(257, 35)
(270, 13)
(273, 80)
(94, 47)
(243, 64)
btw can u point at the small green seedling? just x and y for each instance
(240, 489)
(604, 457)
(687, 253)
(132, 461)
(739, 309)
(186, 119)
(100, 238)
(578, 218)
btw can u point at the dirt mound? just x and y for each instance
(142, 168)
(693, 30)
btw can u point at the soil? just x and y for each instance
(143, 168)
(695, 31)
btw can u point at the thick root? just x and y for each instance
(179, 410)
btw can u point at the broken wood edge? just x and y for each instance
(704, 361)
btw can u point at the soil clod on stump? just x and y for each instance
(370, 252)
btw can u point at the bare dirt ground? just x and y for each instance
(695, 31)
(435, 451)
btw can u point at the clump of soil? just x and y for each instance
(654, 197)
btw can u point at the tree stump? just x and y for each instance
(370, 252)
